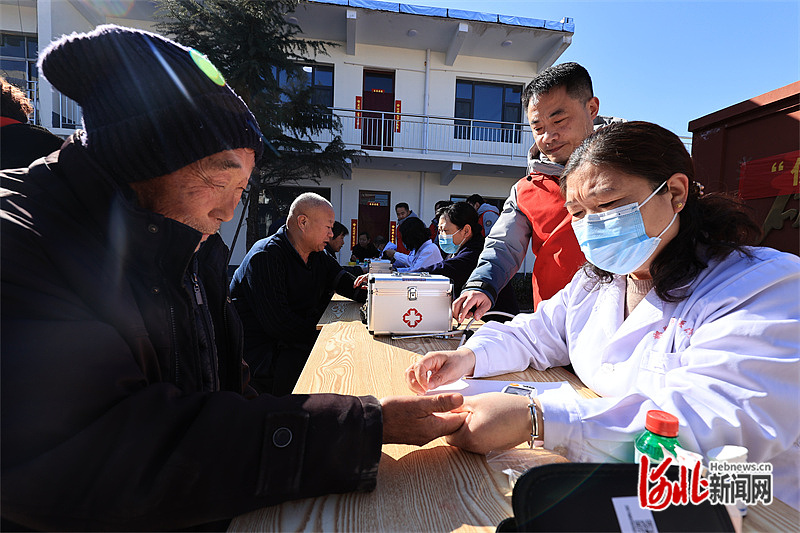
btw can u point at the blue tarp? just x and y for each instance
(376, 4)
(522, 21)
(423, 10)
(471, 15)
(453, 13)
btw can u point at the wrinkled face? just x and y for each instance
(363, 241)
(337, 243)
(560, 123)
(402, 213)
(317, 228)
(592, 189)
(202, 195)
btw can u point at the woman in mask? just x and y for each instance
(673, 311)
(461, 239)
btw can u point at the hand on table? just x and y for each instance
(495, 421)
(420, 419)
(361, 281)
(462, 307)
(439, 368)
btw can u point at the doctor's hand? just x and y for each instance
(361, 281)
(495, 421)
(420, 419)
(462, 307)
(439, 368)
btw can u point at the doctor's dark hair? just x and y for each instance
(414, 233)
(461, 214)
(711, 225)
(574, 78)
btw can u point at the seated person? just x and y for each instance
(364, 249)
(281, 290)
(460, 237)
(674, 311)
(336, 242)
(382, 244)
(416, 237)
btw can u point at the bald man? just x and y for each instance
(281, 289)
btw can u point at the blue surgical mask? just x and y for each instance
(615, 240)
(447, 245)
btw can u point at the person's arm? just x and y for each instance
(401, 260)
(426, 255)
(457, 268)
(343, 282)
(489, 221)
(503, 251)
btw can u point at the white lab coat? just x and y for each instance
(725, 361)
(426, 255)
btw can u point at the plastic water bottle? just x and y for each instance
(661, 430)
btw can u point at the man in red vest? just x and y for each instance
(562, 111)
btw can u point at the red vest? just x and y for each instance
(553, 242)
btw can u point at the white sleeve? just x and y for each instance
(737, 382)
(402, 260)
(529, 340)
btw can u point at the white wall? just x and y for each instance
(17, 19)
(404, 187)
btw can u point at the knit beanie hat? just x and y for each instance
(150, 105)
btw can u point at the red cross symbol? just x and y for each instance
(412, 317)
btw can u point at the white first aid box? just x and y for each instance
(408, 303)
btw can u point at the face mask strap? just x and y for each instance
(653, 194)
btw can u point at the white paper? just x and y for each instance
(631, 517)
(470, 387)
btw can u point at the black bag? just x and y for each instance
(577, 497)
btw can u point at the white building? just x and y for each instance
(431, 94)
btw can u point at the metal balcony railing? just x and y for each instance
(428, 134)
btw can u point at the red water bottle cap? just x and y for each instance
(662, 423)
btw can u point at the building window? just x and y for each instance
(318, 77)
(495, 110)
(18, 65)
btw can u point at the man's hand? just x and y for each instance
(389, 253)
(462, 307)
(439, 368)
(420, 419)
(495, 421)
(361, 281)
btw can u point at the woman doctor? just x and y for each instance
(673, 311)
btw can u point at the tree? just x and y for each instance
(255, 47)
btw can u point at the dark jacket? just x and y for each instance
(22, 144)
(280, 299)
(460, 265)
(104, 425)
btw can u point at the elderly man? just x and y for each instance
(281, 290)
(125, 402)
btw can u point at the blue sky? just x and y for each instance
(670, 62)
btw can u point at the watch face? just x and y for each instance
(520, 390)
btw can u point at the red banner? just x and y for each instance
(397, 116)
(358, 113)
(393, 232)
(771, 176)
(353, 232)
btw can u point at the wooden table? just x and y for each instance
(435, 487)
(340, 309)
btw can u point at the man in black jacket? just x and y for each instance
(281, 290)
(125, 402)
